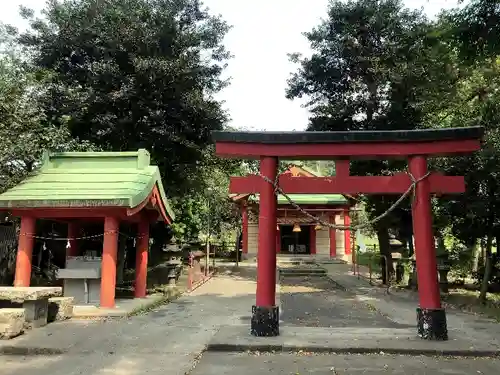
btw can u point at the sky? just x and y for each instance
(263, 33)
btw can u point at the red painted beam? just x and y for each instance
(313, 207)
(85, 214)
(359, 150)
(396, 184)
(342, 168)
(70, 212)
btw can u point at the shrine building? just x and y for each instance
(81, 189)
(296, 234)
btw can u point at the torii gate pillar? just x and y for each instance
(265, 313)
(431, 317)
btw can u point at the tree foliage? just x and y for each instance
(375, 66)
(378, 66)
(123, 75)
(475, 29)
(24, 132)
(129, 74)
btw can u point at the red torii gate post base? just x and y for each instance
(414, 145)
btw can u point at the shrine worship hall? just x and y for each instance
(417, 183)
(295, 233)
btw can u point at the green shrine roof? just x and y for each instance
(319, 199)
(89, 179)
(311, 199)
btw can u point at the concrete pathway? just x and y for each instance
(168, 340)
(399, 306)
(317, 302)
(207, 332)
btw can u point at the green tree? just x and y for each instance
(475, 28)
(477, 103)
(375, 66)
(24, 132)
(126, 74)
(210, 206)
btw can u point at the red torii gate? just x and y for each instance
(415, 145)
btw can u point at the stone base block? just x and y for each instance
(265, 321)
(11, 322)
(36, 312)
(431, 324)
(60, 308)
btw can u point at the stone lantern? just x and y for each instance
(443, 268)
(443, 264)
(173, 253)
(412, 280)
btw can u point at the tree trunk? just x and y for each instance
(497, 246)
(476, 251)
(483, 252)
(487, 270)
(385, 251)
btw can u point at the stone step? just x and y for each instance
(308, 260)
(302, 271)
(11, 322)
(333, 261)
(309, 275)
(60, 308)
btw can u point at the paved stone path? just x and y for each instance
(318, 302)
(399, 306)
(172, 338)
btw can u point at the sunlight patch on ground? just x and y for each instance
(123, 366)
(10, 364)
(300, 289)
(227, 287)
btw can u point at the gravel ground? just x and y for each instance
(318, 302)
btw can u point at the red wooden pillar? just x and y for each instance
(342, 168)
(25, 251)
(347, 233)
(73, 234)
(244, 217)
(108, 268)
(312, 239)
(265, 314)
(333, 238)
(141, 259)
(431, 317)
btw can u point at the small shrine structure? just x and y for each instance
(90, 187)
(295, 233)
